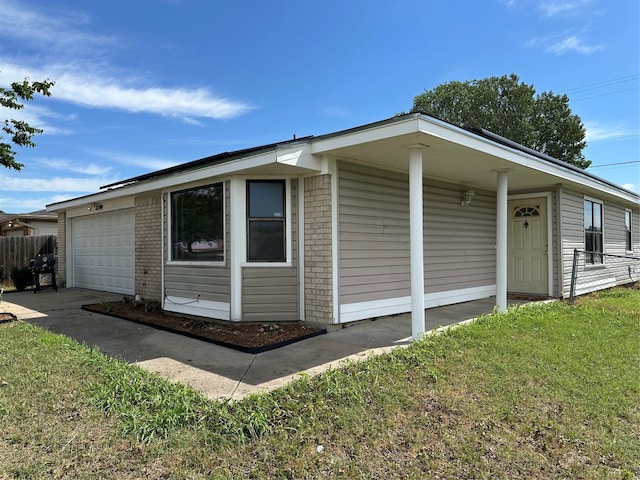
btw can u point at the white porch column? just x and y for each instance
(501, 240)
(416, 242)
(238, 207)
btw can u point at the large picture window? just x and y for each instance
(266, 221)
(197, 224)
(593, 232)
(627, 231)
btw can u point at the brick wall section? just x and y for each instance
(148, 248)
(61, 261)
(318, 275)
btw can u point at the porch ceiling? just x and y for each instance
(447, 161)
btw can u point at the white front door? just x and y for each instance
(528, 247)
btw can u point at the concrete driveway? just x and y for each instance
(216, 371)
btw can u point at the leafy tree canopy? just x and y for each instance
(20, 132)
(510, 108)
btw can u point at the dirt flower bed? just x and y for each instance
(249, 337)
(6, 317)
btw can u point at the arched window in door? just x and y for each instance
(527, 212)
(522, 212)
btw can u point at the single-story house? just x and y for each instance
(395, 216)
(28, 224)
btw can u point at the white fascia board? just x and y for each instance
(448, 132)
(468, 139)
(358, 137)
(170, 180)
(298, 156)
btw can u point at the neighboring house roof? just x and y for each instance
(16, 222)
(41, 215)
(378, 144)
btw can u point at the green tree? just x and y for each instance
(19, 131)
(510, 108)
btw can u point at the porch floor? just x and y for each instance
(396, 329)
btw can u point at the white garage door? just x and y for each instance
(103, 251)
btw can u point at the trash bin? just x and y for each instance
(44, 272)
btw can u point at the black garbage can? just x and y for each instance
(44, 265)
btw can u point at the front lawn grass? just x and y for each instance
(545, 391)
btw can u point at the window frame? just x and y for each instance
(591, 262)
(169, 232)
(628, 232)
(285, 219)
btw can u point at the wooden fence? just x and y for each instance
(19, 251)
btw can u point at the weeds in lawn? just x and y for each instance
(549, 391)
(147, 406)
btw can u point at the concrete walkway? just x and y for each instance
(216, 371)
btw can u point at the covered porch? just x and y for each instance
(424, 148)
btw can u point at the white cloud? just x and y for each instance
(630, 186)
(42, 29)
(144, 161)
(78, 61)
(38, 117)
(563, 7)
(572, 44)
(53, 184)
(94, 90)
(596, 132)
(13, 205)
(564, 43)
(86, 169)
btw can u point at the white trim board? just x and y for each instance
(390, 306)
(201, 308)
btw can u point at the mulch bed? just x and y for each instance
(246, 337)
(7, 317)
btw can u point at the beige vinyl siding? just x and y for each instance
(374, 236)
(635, 232)
(459, 242)
(614, 231)
(572, 233)
(615, 271)
(271, 293)
(197, 282)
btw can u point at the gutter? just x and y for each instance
(510, 143)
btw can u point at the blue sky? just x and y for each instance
(146, 84)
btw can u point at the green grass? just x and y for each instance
(550, 391)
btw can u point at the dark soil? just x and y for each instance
(6, 317)
(250, 337)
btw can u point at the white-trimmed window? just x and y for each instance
(197, 224)
(628, 236)
(266, 221)
(593, 232)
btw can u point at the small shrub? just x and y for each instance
(106, 307)
(22, 278)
